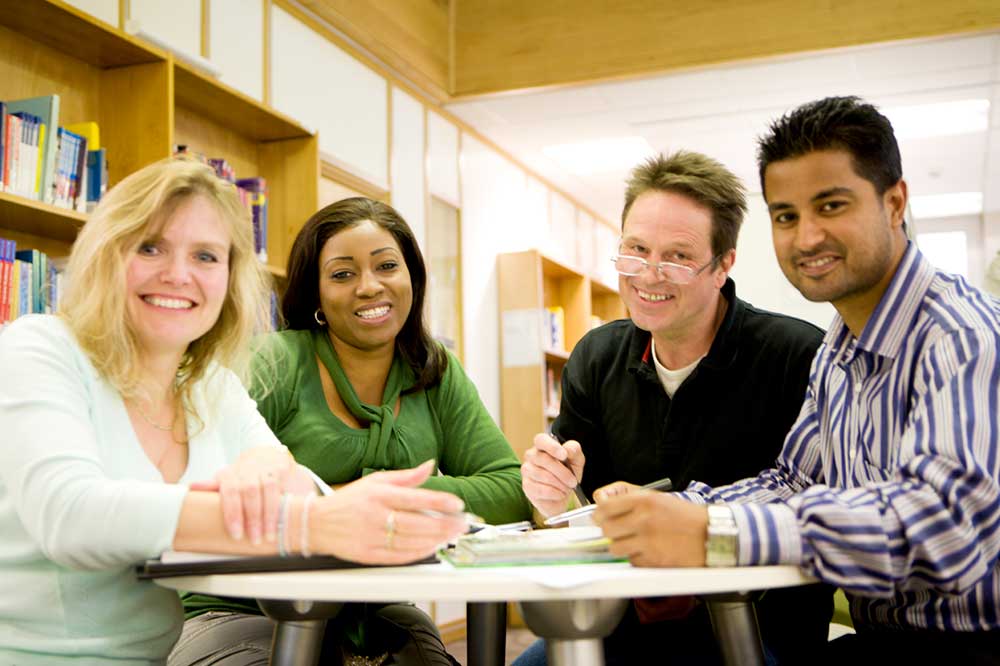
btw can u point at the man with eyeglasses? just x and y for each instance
(888, 484)
(696, 384)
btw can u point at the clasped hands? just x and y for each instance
(651, 528)
(383, 518)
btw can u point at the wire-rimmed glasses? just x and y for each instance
(630, 265)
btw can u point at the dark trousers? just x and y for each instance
(913, 647)
(408, 636)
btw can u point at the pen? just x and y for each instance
(581, 496)
(661, 485)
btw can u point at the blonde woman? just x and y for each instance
(112, 408)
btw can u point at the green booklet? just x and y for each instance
(568, 545)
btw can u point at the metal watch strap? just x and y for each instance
(721, 544)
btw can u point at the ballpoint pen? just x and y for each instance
(661, 484)
(581, 496)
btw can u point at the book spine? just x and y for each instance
(15, 154)
(6, 270)
(3, 145)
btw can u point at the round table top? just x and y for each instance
(443, 582)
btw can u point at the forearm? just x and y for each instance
(493, 494)
(200, 528)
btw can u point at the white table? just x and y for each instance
(573, 607)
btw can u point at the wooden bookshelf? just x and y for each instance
(529, 283)
(40, 219)
(229, 107)
(76, 34)
(145, 103)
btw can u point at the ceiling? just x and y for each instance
(721, 110)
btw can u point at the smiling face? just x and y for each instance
(667, 226)
(835, 237)
(177, 282)
(364, 287)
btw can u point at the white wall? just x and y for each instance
(758, 278)
(105, 10)
(236, 44)
(442, 159)
(326, 89)
(176, 23)
(407, 170)
(499, 209)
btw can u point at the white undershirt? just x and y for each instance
(671, 379)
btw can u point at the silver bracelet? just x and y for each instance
(282, 524)
(304, 527)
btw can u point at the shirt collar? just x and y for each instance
(894, 315)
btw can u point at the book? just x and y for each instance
(7, 249)
(177, 563)
(97, 176)
(46, 108)
(256, 189)
(569, 545)
(3, 144)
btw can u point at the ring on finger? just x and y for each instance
(390, 529)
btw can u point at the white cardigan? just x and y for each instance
(81, 503)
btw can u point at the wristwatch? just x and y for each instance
(721, 544)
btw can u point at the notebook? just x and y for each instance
(569, 545)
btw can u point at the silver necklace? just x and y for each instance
(145, 417)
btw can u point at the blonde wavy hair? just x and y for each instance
(94, 302)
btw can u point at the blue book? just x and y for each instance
(97, 176)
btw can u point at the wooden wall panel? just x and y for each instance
(411, 36)
(526, 43)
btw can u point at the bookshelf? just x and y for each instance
(145, 103)
(531, 366)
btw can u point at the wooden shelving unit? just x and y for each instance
(530, 282)
(145, 103)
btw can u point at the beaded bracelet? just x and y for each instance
(304, 527)
(282, 524)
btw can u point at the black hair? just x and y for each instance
(414, 344)
(844, 123)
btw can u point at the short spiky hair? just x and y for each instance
(836, 123)
(702, 179)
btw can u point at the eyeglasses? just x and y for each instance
(629, 266)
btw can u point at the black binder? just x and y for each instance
(238, 565)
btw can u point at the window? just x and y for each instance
(444, 275)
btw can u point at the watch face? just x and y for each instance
(721, 544)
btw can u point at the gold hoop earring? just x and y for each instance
(316, 316)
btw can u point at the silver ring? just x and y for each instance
(390, 529)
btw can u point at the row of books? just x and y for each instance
(30, 282)
(252, 191)
(39, 159)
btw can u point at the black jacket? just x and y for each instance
(727, 421)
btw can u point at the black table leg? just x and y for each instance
(486, 625)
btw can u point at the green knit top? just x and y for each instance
(447, 422)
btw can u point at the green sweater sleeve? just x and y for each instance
(475, 458)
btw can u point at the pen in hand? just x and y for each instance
(662, 485)
(581, 496)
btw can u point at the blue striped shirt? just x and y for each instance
(888, 484)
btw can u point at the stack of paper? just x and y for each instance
(569, 545)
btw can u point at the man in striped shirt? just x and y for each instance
(888, 484)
